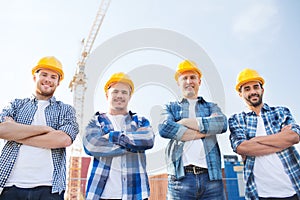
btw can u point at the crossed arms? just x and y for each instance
(33, 135)
(263, 145)
(187, 129)
(97, 143)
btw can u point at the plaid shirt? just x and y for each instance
(175, 111)
(130, 145)
(243, 127)
(59, 116)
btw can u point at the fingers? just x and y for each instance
(8, 119)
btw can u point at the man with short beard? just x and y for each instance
(37, 131)
(264, 136)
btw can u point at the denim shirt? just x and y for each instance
(212, 125)
(59, 116)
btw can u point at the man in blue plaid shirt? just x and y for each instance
(193, 154)
(264, 136)
(37, 130)
(117, 140)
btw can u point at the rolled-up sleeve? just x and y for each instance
(168, 128)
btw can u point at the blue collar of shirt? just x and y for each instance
(200, 100)
(33, 98)
(249, 112)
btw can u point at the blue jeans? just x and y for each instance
(195, 187)
(37, 193)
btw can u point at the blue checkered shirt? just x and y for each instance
(59, 116)
(177, 110)
(243, 127)
(130, 145)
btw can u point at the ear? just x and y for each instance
(240, 94)
(34, 77)
(199, 81)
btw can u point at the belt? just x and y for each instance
(195, 170)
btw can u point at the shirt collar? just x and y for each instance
(265, 107)
(34, 99)
(200, 100)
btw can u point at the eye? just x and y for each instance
(54, 77)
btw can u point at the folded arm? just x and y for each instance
(252, 147)
(139, 140)
(13, 131)
(263, 145)
(51, 140)
(192, 132)
(284, 139)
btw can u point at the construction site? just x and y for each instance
(146, 40)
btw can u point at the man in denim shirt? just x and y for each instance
(193, 154)
(37, 130)
(265, 136)
(118, 140)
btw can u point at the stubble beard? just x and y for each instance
(257, 103)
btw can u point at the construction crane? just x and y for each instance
(75, 189)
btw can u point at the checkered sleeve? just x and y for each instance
(136, 140)
(168, 128)
(237, 133)
(95, 144)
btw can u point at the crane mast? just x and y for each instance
(75, 188)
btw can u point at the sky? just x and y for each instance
(262, 35)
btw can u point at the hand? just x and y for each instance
(287, 127)
(9, 119)
(106, 136)
(143, 129)
(214, 114)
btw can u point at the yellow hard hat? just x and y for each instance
(185, 66)
(49, 62)
(119, 77)
(246, 76)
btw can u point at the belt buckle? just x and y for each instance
(194, 170)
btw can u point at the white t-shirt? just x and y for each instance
(34, 165)
(269, 175)
(113, 186)
(193, 151)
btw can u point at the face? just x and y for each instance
(189, 83)
(252, 93)
(118, 96)
(46, 83)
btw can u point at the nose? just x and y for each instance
(189, 80)
(47, 79)
(119, 95)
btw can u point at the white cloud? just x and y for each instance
(255, 20)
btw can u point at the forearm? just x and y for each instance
(51, 140)
(283, 139)
(10, 130)
(254, 148)
(190, 123)
(97, 145)
(139, 140)
(191, 134)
